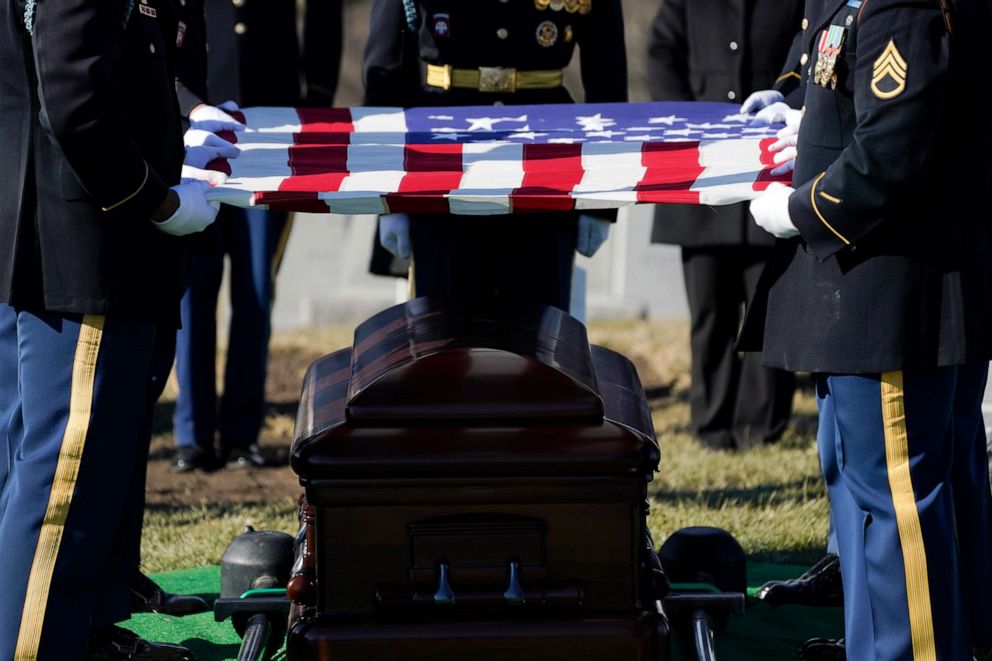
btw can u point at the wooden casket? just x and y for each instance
(475, 489)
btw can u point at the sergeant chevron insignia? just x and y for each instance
(888, 78)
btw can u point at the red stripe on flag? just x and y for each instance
(432, 171)
(325, 120)
(316, 168)
(765, 177)
(672, 169)
(550, 174)
(305, 202)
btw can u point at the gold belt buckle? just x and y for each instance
(497, 79)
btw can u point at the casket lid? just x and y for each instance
(432, 388)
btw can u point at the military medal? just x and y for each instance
(557, 5)
(547, 34)
(541, 5)
(831, 42)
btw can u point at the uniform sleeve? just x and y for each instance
(78, 51)
(791, 82)
(668, 54)
(322, 44)
(603, 54)
(902, 59)
(392, 72)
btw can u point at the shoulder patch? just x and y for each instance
(888, 78)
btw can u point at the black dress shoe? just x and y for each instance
(820, 585)
(117, 644)
(193, 458)
(248, 457)
(823, 649)
(148, 597)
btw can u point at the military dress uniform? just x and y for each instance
(722, 50)
(90, 125)
(255, 59)
(453, 53)
(885, 297)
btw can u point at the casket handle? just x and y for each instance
(514, 594)
(444, 596)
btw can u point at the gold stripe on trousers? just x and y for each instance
(63, 486)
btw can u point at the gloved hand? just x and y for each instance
(593, 232)
(785, 147)
(195, 212)
(212, 177)
(203, 147)
(761, 99)
(771, 211)
(214, 119)
(785, 151)
(394, 234)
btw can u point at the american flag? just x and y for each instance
(496, 159)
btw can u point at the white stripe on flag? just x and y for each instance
(378, 120)
(731, 168)
(612, 171)
(271, 120)
(492, 171)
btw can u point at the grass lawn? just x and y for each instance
(771, 498)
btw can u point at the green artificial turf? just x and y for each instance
(762, 634)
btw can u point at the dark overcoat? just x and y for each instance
(717, 50)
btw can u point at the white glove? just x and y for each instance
(394, 234)
(195, 212)
(593, 232)
(771, 211)
(761, 99)
(785, 147)
(214, 119)
(204, 146)
(776, 113)
(212, 177)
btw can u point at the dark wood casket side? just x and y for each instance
(485, 476)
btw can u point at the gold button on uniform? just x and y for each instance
(731, 95)
(240, 28)
(733, 45)
(805, 23)
(804, 59)
(502, 33)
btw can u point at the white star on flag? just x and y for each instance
(717, 136)
(486, 123)
(685, 132)
(595, 123)
(667, 121)
(759, 129)
(441, 118)
(739, 117)
(603, 134)
(709, 125)
(565, 141)
(454, 137)
(527, 135)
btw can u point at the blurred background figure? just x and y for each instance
(261, 52)
(723, 50)
(425, 53)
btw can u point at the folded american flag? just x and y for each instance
(496, 159)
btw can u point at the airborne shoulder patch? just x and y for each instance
(888, 78)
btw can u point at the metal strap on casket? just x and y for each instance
(492, 79)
